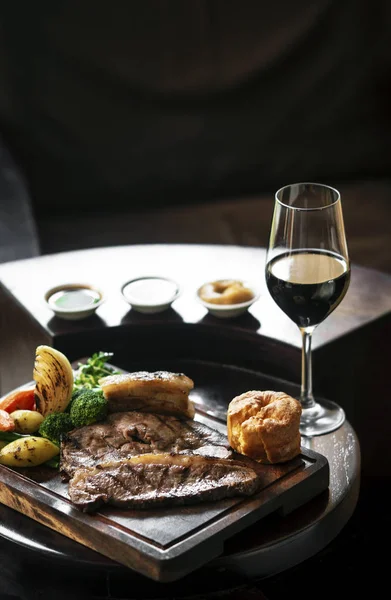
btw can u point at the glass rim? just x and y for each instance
(322, 185)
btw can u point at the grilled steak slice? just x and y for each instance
(161, 392)
(155, 480)
(123, 435)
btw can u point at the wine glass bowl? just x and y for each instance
(308, 275)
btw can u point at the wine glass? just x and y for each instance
(307, 275)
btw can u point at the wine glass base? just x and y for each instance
(324, 417)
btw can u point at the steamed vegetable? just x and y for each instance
(27, 421)
(6, 421)
(18, 400)
(75, 394)
(53, 376)
(54, 425)
(88, 374)
(29, 451)
(32, 420)
(89, 406)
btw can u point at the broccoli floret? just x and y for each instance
(75, 394)
(88, 407)
(54, 425)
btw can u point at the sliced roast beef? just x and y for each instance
(154, 480)
(133, 433)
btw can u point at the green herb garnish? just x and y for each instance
(89, 373)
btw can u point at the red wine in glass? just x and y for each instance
(308, 275)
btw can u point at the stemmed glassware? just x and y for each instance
(307, 275)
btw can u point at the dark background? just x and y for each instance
(175, 121)
(171, 121)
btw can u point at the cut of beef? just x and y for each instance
(133, 433)
(160, 392)
(154, 480)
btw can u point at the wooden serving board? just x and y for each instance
(165, 544)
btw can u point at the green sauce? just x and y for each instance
(74, 299)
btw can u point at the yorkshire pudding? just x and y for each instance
(264, 425)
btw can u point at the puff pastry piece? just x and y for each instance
(264, 425)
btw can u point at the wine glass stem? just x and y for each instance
(306, 396)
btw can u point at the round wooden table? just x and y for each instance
(264, 338)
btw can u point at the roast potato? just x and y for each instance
(27, 421)
(28, 452)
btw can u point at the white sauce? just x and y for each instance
(150, 291)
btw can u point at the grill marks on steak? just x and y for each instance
(155, 480)
(133, 433)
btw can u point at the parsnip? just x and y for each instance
(28, 452)
(27, 421)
